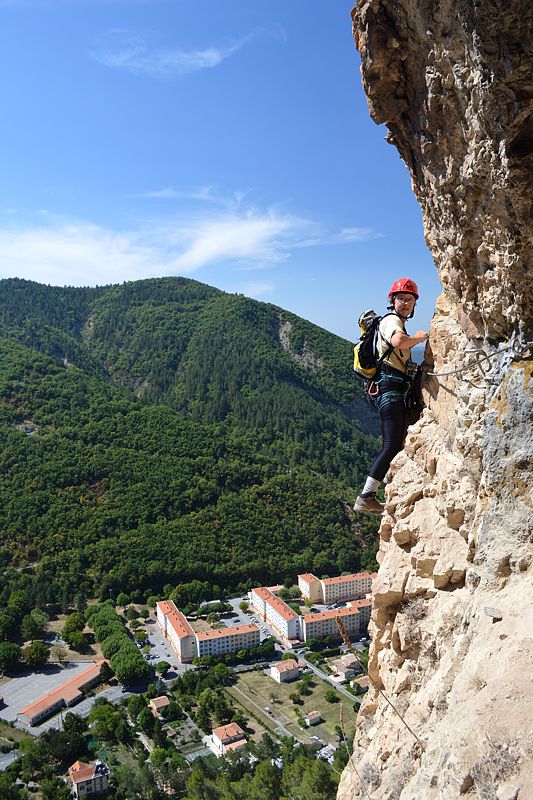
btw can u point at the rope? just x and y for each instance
(518, 348)
(346, 639)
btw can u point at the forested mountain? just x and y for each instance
(162, 431)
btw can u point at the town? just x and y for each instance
(273, 638)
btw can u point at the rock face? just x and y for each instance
(452, 619)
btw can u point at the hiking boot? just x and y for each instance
(369, 504)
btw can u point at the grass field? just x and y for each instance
(13, 734)
(260, 692)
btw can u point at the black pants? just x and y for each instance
(392, 417)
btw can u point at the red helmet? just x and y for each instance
(404, 285)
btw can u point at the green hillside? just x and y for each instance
(161, 432)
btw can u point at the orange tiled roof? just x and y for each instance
(346, 578)
(286, 665)
(335, 612)
(366, 601)
(68, 691)
(235, 745)
(229, 731)
(308, 578)
(276, 603)
(236, 630)
(176, 619)
(80, 771)
(159, 702)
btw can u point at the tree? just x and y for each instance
(203, 720)
(146, 721)
(75, 723)
(131, 613)
(144, 613)
(77, 641)
(32, 628)
(122, 599)
(135, 705)
(162, 667)
(37, 654)
(331, 696)
(104, 719)
(10, 657)
(106, 673)
(244, 606)
(59, 653)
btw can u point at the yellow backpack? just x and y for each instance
(365, 355)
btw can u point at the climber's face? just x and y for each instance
(404, 304)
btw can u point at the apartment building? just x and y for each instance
(332, 590)
(187, 644)
(277, 613)
(316, 626)
(227, 640)
(177, 630)
(310, 587)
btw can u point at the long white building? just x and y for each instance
(332, 590)
(187, 644)
(276, 613)
(355, 617)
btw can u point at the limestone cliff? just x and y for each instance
(452, 620)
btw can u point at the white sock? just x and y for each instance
(371, 485)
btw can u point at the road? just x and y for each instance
(341, 689)
(8, 758)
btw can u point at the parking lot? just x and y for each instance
(25, 689)
(161, 650)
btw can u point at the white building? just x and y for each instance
(332, 590)
(277, 613)
(285, 670)
(187, 644)
(324, 623)
(177, 630)
(227, 640)
(227, 738)
(89, 780)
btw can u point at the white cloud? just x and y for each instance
(127, 50)
(62, 252)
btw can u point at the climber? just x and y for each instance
(390, 384)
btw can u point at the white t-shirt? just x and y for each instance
(397, 359)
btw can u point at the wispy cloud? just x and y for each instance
(203, 194)
(77, 253)
(129, 51)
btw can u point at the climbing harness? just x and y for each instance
(347, 641)
(481, 360)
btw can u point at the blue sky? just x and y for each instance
(228, 142)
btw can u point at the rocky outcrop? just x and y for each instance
(452, 619)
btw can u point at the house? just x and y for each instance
(156, 705)
(227, 738)
(287, 670)
(89, 780)
(313, 718)
(347, 666)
